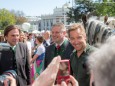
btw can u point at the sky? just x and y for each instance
(33, 7)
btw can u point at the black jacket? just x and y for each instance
(22, 63)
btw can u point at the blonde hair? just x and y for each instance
(76, 26)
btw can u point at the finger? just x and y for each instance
(56, 60)
(69, 84)
(63, 83)
(50, 73)
(10, 78)
(73, 81)
(54, 65)
(56, 85)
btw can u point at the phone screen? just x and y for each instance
(64, 71)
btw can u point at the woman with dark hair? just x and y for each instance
(37, 58)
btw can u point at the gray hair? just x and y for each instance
(61, 25)
(102, 63)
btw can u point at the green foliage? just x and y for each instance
(71, 15)
(100, 8)
(6, 18)
(2, 31)
(82, 7)
(105, 8)
(20, 20)
(19, 16)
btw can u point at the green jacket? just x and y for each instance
(79, 68)
(51, 52)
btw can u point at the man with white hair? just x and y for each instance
(47, 39)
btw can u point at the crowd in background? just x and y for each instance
(42, 48)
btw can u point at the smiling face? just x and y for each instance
(78, 39)
(22, 37)
(57, 34)
(37, 41)
(13, 37)
(46, 35)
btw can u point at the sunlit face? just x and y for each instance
(37, 41)
(78, 40)
(45, 35)
(22, 37)
(30, 37)
(13, 37)
(57, 34)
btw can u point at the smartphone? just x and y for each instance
(63, 72)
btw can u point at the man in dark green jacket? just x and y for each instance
(61, 45)
(80, 54)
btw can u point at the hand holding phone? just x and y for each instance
(64, 71)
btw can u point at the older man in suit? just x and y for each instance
(17, 59)
(60, 46)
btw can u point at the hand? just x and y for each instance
(72, 81)
(31, 61)
(48, 76)
(12, 80)
(91, 78)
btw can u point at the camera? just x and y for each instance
(4, 47)
(63, 72)
(6, 54)
(4, 81)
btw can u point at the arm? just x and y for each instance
(91, 78)
(34, 58)
(39, 51)
(46, 58)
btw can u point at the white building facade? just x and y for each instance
(45, 22)
(59, 15)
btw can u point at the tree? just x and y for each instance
(6, 18)
(70, 14)
(81, 7)
(20, 20)
(105, 8)
(19, 16)
(98, 8)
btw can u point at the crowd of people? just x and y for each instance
(36, 57)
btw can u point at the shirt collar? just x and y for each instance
(11, 46)
(61, 42)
